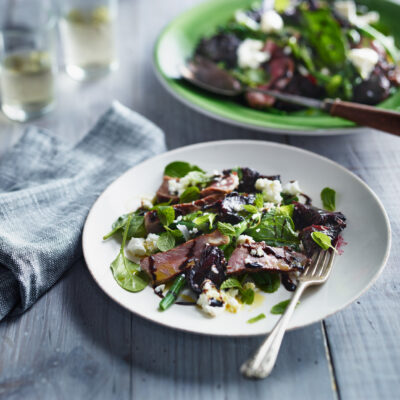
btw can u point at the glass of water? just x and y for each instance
(27, 58)
(88, 37)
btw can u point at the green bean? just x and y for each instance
(173, 292)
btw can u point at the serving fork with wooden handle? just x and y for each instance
(262, 363)
(208, 76)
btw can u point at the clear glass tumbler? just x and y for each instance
(27, 58)
(88, 37)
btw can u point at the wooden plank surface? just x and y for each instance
(76, 343)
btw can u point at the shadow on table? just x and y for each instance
(155, 353)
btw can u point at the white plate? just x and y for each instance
(368, 234)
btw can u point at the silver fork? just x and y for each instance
(263, 361)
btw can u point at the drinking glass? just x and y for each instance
(27, 58)
(88, 37)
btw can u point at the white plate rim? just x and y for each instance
(86, 239)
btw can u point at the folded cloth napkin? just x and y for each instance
(46, 191)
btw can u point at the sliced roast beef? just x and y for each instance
(222, 184)
(306, 215)
(163, 194)
(256, 257)
(161, 267)
(211, 265)
(152, 222)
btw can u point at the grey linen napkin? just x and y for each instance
(46, 191)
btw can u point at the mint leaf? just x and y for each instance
(322, 240)
(250, 208)
(247, 296)
(328, 197)
(178, 169)
(288, 198)
(207, 217)
(259, 201)
(166, 214)
(286, 210)
(230, 283)
(281, 307)
(166, 241)
(268, 282)
(257, 318)
(190, 194)
(226, 229)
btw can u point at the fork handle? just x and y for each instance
(262, 363)
(373, 117)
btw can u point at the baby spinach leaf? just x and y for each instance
(281, 307)
(231, 283)
(268, 282)
(322, 240)
(326, 36)
(256, 319)
(178, 169)
(286, 210)
(166, 214)
(166, 241)
(259, 201)
(328, 197)
(136, 228)
(128, 274)
(190, 194)
(276, 229)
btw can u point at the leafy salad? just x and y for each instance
(217, 239)
(313, 48)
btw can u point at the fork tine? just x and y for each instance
(328, 267)
(324, 263)
(317, 262)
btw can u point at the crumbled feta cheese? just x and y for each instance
(237, 207)
(303, 70)
(159, 288)
(253, 252)
(214, 269)
(325, 71)
(138, 248)
(291, 188)
(271, 21)
(150, 243)
(242, 18)
(184, 230)
(146, 202)
(268, 205)
(250, 53)
(178, 219)
(260, 252)
(287, 50)
(135, 249)
(176, 187)
(255, 216)
(258, 230)
(364, 60)
(271, 190)
(231, 304)
(211, 300)
(347, 9)
(244, 239)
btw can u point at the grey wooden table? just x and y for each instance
(75, 343)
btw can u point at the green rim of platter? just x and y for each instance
(177, 41)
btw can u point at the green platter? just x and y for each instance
(177, 41)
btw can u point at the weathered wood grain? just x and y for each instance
(364, 337)
(76, 343)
